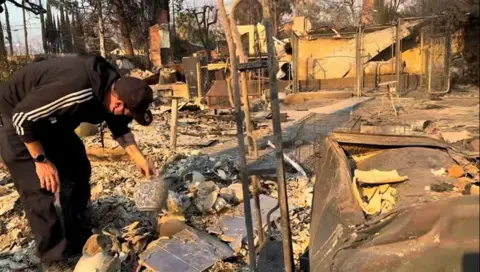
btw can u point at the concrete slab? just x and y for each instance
(344, 105)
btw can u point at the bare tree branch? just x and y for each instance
(205, 17)
(32, 7)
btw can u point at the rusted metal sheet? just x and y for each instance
(437, 235)
(191, 75)
(196, 78)
(397, 141)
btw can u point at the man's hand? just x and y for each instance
(145, 166)
(48, 175)
(46, 171)
(128, 143)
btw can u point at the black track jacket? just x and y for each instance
(60, 92)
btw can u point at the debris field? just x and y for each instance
(205, 195)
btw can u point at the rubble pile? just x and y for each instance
(203, 190)
(16, 239)
(204, 211)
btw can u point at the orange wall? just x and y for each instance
(309, 50)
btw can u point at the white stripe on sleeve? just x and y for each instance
(46, 110)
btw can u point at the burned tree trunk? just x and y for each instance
(240, 136)
(25, 31)
(42, 24)
(124, 28)
(101, 31)
(9, 31)
(243, 75)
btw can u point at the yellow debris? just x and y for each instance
(375, 195)
(379, 177)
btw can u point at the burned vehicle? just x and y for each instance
(385, 203)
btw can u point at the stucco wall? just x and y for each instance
(314, 52)
(310, 51)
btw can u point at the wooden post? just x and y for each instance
(173, 124)
(243, 77)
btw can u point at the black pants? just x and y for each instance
(67, 152)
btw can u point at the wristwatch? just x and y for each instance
(40, 158)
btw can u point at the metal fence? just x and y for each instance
(419, 56)
(315, 127)
(437, 52)
(371, 56)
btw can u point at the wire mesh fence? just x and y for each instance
(315, 127)
(437, 52)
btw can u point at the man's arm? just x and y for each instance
(127, 142)
(118, 125)
(46, 100)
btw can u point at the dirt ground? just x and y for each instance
(207, 145)
(455, 112)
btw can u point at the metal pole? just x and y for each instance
(258, 211)
(243, 166)
(398, 58)
(420, 17)
(358, 59)
(173, 124)
(448, 49)
(277, 131)
(430, 63)
(199, 80)
(295, 44)
(422, 55)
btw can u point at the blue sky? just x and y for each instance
(34, 28)
(16, 24)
